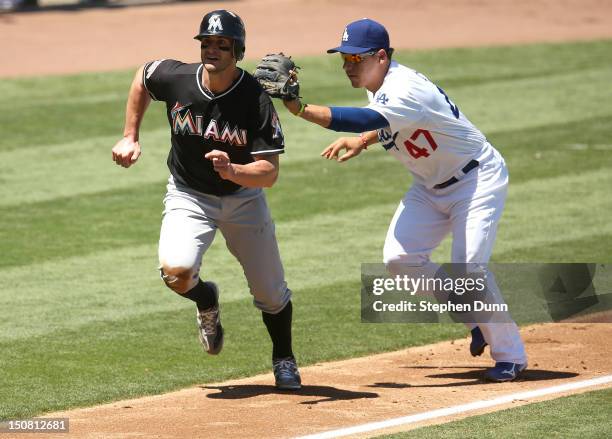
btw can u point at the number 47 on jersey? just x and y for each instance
(416, 151)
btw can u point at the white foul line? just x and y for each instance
(405, 420)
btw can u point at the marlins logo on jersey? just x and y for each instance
(278, 131)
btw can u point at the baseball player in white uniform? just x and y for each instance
(460, 179)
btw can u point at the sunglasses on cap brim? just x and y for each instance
(357, 57)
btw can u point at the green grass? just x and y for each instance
(84, 317)
(585, 416)
(157, 350)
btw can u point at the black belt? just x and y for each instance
(467, 168)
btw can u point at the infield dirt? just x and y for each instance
(342, 393)
(351, 392)
(84, 39)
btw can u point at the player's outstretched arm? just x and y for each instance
(127, 150)
(318, 114)
(344, 119)
(263, 172)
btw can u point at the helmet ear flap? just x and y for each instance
(238, 50)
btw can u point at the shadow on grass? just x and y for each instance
(327, 393)
(474, 376)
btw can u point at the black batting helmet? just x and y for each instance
(224, 24)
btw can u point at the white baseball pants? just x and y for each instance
(470, 209)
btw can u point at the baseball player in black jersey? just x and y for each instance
(226, 138)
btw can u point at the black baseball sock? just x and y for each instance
(279, 328)
(202, 294)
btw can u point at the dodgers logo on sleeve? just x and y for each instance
(387, 138)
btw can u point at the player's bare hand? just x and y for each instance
(126, 152)
(221, 163)
(352, 145)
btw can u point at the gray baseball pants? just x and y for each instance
(190, 222)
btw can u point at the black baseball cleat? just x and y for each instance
(286, 374)
(478, 344)
(210, 330)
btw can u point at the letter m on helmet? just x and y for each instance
(214, 24)
(226, 24)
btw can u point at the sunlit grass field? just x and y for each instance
(84, 317)
(584, 416)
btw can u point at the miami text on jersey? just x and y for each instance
(184, 123)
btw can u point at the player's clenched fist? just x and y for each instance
(126, 152)
(353, 146)
(221, 163)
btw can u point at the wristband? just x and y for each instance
(301, 110)
(364, 141)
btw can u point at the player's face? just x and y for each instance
(217, 53)
(360, 68)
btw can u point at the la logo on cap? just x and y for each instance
(362, 36)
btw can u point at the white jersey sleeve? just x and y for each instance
(397, 105)
(427, 132)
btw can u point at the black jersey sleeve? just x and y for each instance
(268, 136)
(157, 75)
